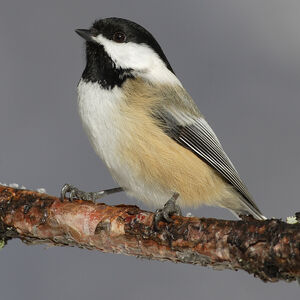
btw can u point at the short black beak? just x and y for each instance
(85, 33)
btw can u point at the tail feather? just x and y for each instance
(249, 211)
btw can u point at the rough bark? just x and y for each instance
(268, 249)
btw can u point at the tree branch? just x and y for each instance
(268, 249)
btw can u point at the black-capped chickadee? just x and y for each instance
(147, 129)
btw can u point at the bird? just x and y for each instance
(147, 129)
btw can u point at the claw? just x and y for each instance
(169, 209)
(72, 194)
(92, 197)
(65, 189)
(166, 214)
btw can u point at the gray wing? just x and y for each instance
(197, 136)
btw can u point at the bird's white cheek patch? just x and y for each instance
(138, 57)
(129, 55)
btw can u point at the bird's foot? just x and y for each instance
(169, 209)
(75, 193)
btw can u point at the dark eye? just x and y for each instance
(119, 37)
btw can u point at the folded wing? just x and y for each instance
(195, 134)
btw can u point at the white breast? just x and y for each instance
(104, 123)
(99, 112)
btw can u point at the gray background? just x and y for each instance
(240, 62)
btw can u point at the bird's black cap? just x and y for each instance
(134, 32)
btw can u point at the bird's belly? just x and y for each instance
(156, 167)
(156, 171)
(111, 134)
(147, 163)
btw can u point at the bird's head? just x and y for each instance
(118, 47)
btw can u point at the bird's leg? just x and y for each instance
(75, 193)
(169, 209)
